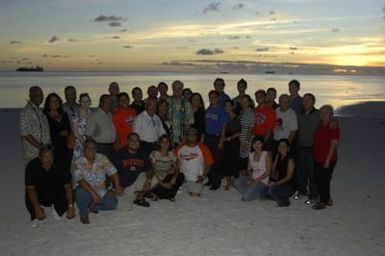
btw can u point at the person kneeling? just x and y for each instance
(195, 160)
(89, 176)
(280, 188)
(254, 185)
(47, 183)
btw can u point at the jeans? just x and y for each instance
(281, 194)
(85, 203)
(305, 173)
(249, 193)
(323, 176)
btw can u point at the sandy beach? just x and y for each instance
(218, 223)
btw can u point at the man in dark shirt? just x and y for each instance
(47, 184)
(132, 165)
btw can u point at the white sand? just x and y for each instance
(218, 223)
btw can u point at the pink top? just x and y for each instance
(258, 168)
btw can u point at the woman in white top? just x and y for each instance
(254, 184)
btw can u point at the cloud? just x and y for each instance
(208, 51)
(128, 46)
(53, 39)
(238, 6)
(234, 37)
(272, 12)
(15, 42)
(116, 37)
(335, 30)
(115, 24)
(111, 18)
(213, 7)
(262, 49)
(293, 48)
(72, 40)
(55, 56)
(123, 30)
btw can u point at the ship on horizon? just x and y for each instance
(30, 69)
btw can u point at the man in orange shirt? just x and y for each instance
(265, 118)
(123, 119)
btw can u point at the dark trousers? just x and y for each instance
(305, 173)
(59, 204)
(323, 177)
(281, 194)
(214, 175)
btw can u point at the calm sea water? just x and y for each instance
(335, 90)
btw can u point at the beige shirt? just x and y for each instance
(100, 127)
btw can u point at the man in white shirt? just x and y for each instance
(287, 123)
(194, 160)
(149, 127)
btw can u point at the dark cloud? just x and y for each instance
(15, 42)
(123, 30)
(262, 49)
(111, 18)
(116, 37)
(248, 37)
(335, 30)
(208, 51)
(72, 40)
(24, 59)
(257, 13)
(238, 6)
(178, 63)
(53, 39)
(55, 56)
(128, 46)
(272, 12)
(291, 52)
(213, 7)
(115, 24)
(293, 48)
(273, 19)
(234, 37)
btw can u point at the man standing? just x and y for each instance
(114, 91)
(132, 164)
(47, 185)
(180, 113)
(219, 86)
(138, 103)
(149, 127)
(295, 100)
(89, 175)
(70, 106)
(34, 127)
(265, 119)
(101, 128)
(195, 160)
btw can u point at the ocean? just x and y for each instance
(335, 90)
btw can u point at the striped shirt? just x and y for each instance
(247, 123)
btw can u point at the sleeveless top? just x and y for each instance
(258, 168)
(280, 168)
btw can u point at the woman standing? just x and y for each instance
(254, 185)
(198, 107)
(230, 144)
(280, 187)
(59, 126)
(79, 123)
(325, 154)
(247, 125)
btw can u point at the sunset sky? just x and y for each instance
(176, 35)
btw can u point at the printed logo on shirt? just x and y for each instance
(129, 121)
(212, 116)
(189, 156)
(132, 164)
(260, 118)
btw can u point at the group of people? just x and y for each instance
(129, 152)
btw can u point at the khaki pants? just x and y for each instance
(126, 201)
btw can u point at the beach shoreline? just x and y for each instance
(218, 223)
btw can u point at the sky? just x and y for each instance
(173, 35)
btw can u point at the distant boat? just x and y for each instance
(26, 69)
(269, 72)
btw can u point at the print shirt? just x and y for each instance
(161, 164)
(258, 168)
(94, 174)
(181, 116)
(33, 122)
(247, 123)
(193, 160)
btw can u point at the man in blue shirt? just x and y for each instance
(216, 118)
(219, 85)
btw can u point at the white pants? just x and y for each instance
(126, 201)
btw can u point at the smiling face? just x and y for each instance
(196, 101)
(124, 102)
(54, 103)
(283, 148)
(245, 103)
(85, 102)
(90, 149)
(133, 142)
(229, 108)
(257, 146)
(137, 94)
(164, 144)
(36, 96)
(177, 89)
(213, 99)
(46, 159)
(284, 102)
(70, 95)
